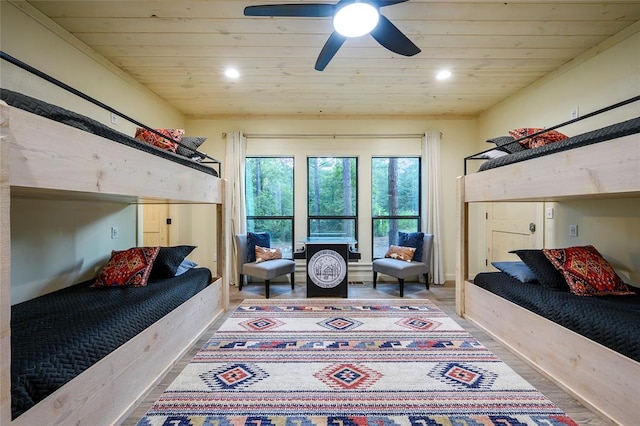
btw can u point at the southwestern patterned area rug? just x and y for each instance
(348, 362)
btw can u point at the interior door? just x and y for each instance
(513, 226)
(155, 231)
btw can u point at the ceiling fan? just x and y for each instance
(351, 18)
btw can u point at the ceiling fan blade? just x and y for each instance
(393, 39)
(311, 10)
(383, 3)
(329, 50)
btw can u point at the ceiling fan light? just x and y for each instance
(356, 19)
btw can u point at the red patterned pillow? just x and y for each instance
(128, 268)
(544, 139)
(400, 253)
(163, 143)
(587, 272)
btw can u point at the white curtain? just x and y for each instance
(433, 200)
(236, 151)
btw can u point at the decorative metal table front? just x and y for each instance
(327, 266)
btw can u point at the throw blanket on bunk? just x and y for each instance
(614, 131)
(57, 336)
(348, 362)
(609, 320)
(73, 119)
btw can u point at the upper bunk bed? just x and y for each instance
(47, 142)
(44, 158)
(602, 163)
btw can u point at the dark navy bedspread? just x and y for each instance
(611, 321)
(57, 336)
(79, 121)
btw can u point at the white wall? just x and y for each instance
(39, 45)
(607, 78)
(55, 244)
(612, 75)
(195, 224)
(612, 226)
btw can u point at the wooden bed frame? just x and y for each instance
(600, 378)
(41, 158)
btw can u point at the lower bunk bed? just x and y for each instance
(590, 346)
(84, 355)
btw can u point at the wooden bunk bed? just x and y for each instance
(76, 165)
(599, 377)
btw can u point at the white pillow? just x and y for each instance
(494, 153)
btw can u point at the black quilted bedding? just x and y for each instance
(87, 124)
(57, 336)
(614, 131)
(609, 320)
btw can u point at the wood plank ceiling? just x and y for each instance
(179, 49)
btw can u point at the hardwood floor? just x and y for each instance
(442, 296)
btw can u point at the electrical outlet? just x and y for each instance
(573, 230)
(114, 119)
(575, 113)
(114, 233)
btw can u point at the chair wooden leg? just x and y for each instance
(240, 281)
(401, 282)
(293, 282)
(375, 279)
(266, 288)
(426, 280)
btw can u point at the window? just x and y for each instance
(395, 200)
(269, 199)
(332, 197)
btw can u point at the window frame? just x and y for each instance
(290, 218)
(353, 218)
(417, 217)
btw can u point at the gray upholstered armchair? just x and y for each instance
(263, 270)
(401, 269)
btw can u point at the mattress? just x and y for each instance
(57, 336)
(609, 320)
(614, 131)
(73, 119)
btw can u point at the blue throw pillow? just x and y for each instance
(185, 266)
(262, 239)
(412, 239)
(517, 270)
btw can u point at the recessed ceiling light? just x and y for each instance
(232, 73)
(443, 75)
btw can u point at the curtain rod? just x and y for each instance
(333, 136)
